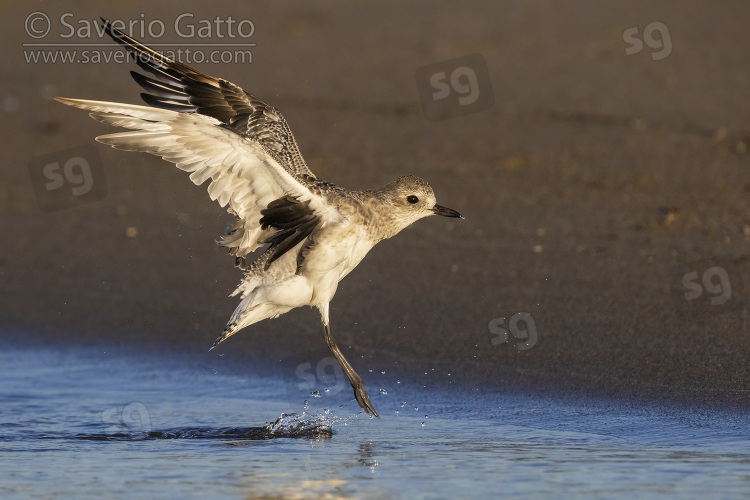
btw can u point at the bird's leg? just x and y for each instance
(359, 387)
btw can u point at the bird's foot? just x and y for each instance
(363, 399)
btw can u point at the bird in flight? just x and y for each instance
(311, 232)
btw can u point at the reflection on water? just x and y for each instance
(83, 424)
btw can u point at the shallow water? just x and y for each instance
(87, 423)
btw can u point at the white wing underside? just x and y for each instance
(242, 174)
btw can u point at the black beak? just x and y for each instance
(446, 212)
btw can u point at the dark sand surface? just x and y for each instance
(595, 182)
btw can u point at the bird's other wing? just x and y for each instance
(181, 88)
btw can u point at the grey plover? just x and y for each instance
(311, 232)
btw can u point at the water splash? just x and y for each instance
(293, 425)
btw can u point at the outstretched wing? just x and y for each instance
(242, 173)
(214, 130)
(181, 88)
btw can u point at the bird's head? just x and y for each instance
(410, 199)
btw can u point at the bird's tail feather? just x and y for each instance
(247, 314)
(228, 332)
(239, 318)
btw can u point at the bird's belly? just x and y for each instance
(333, 259)
(292, 292)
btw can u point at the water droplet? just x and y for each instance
(315, 394)
(422, 424)
(383, 392)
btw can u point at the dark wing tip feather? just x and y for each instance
(165, 103)
(154, 59)
(170, 90)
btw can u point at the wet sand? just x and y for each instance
(595, 187)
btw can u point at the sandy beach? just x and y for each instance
(601, 164)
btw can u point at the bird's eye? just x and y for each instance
(412, 199)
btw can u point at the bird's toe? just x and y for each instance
(364, 400)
